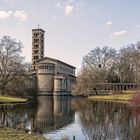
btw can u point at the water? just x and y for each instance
(61, 117)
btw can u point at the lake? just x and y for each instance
(59, 117)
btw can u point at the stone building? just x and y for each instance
(53, 76)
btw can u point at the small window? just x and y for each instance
(36, 34)
(35, 46)
(36, 51)
(36, 40)
(35, 57)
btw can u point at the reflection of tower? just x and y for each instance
(52, 113)
(37, 45)
(44, 116)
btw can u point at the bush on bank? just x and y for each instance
(135, 102)
(11, 134)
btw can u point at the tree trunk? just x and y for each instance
(96, 91)
(2, 90)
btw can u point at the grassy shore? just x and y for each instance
(9, 99)
(12, 134)
(125, 97)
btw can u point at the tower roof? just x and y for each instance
(39, 29)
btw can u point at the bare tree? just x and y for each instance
(128, 63)
(97, 67)
(100, 61)
(10, 61)
(107, 65)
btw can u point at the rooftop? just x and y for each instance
(56, 60)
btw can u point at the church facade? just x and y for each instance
(53, 77)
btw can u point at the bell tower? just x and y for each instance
(37, 45)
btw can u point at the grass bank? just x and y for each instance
(125, 97)
(10, 99)
(12, 134)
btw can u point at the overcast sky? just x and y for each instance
(73, 27)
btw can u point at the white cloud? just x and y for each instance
(5, 14)
(58, 4)
(20, 14)
(56, 18)
(69, 10)
(109, 23)
(70, 1)
(118, 33)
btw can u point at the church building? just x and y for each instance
(53, 77)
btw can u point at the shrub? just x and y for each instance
(135, 100)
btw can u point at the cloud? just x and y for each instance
(69, 10)
(70, 1)
(58, 4)
(56, 18)
(109, 23)
(20, 14)
(118, 33)
(5, 14)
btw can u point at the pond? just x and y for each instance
(59, 117)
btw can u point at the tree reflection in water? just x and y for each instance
(106, 120)
(45, 115)
(97, 120)
(14, 115)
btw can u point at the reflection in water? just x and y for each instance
(13, 116)
(45, 115)
(57, 116)
(52, 113)
(104, 120)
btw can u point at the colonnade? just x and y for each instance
(117, 86)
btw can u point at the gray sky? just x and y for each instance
(73, 27)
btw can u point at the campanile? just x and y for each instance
(37, 46)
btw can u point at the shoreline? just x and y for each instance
(125, 97)
(12, 100)
(12, 134)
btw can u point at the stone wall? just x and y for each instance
(54, 76)
(45, 82)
